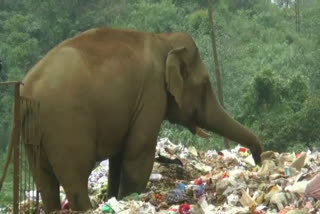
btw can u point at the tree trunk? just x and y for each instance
(216, 63)
(297, 9)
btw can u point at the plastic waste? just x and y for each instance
(184, 208)
(299, 162)
(199, 189)
(246, 200)
(297, 211)
(177, 196)
(203, 202)
(107, 209)
(249, 160)
(260, 198)
(268, 167)
(117, 206)
(196, 208)
(259, 210)
(217, 184)
(233, 199)
(286, 171)
(298, 187)
(222, 185)
(32, 195)
(269, 155)
(281, 199)
(202, 167)
(155, 177)
(193, 151)
(211, 153)
(285, 210)
(65, 204)
(242, 149)
(313, 187)
(243, 152)
(224, 175)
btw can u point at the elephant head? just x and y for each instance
(191, 100)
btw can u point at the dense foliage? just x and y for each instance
(270, 72)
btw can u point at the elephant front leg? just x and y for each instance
(135, 174)
(138, 156)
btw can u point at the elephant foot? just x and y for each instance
(79, 202)
(49, 191)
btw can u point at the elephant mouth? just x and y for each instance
(196, 130)
(201, 133)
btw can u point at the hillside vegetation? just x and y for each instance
(270, 70)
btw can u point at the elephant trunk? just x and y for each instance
(219, 121)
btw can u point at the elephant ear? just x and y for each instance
(174, 74)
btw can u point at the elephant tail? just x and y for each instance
(10, 149)
(29, 129)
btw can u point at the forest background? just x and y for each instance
(270, 63)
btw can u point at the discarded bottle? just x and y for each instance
(286, 171)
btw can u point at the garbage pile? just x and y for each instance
(187, 181)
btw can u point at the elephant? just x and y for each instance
(104, 94)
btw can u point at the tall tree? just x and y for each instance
(297, 9)
(216, 63)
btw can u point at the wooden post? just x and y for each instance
(216, 63)
(16, 148)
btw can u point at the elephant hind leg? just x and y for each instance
(45, 179)
(50, 192)
(72, 166)
(78, 200)
(75, 183)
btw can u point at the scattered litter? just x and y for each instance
(187, 181)
(155, 177)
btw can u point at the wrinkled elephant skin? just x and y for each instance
(104, 94)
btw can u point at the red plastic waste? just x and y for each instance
(184, 209)
(242, 149)
(65, 204)
(224, 175)
(159, 197)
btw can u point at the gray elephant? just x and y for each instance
(104, 94)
